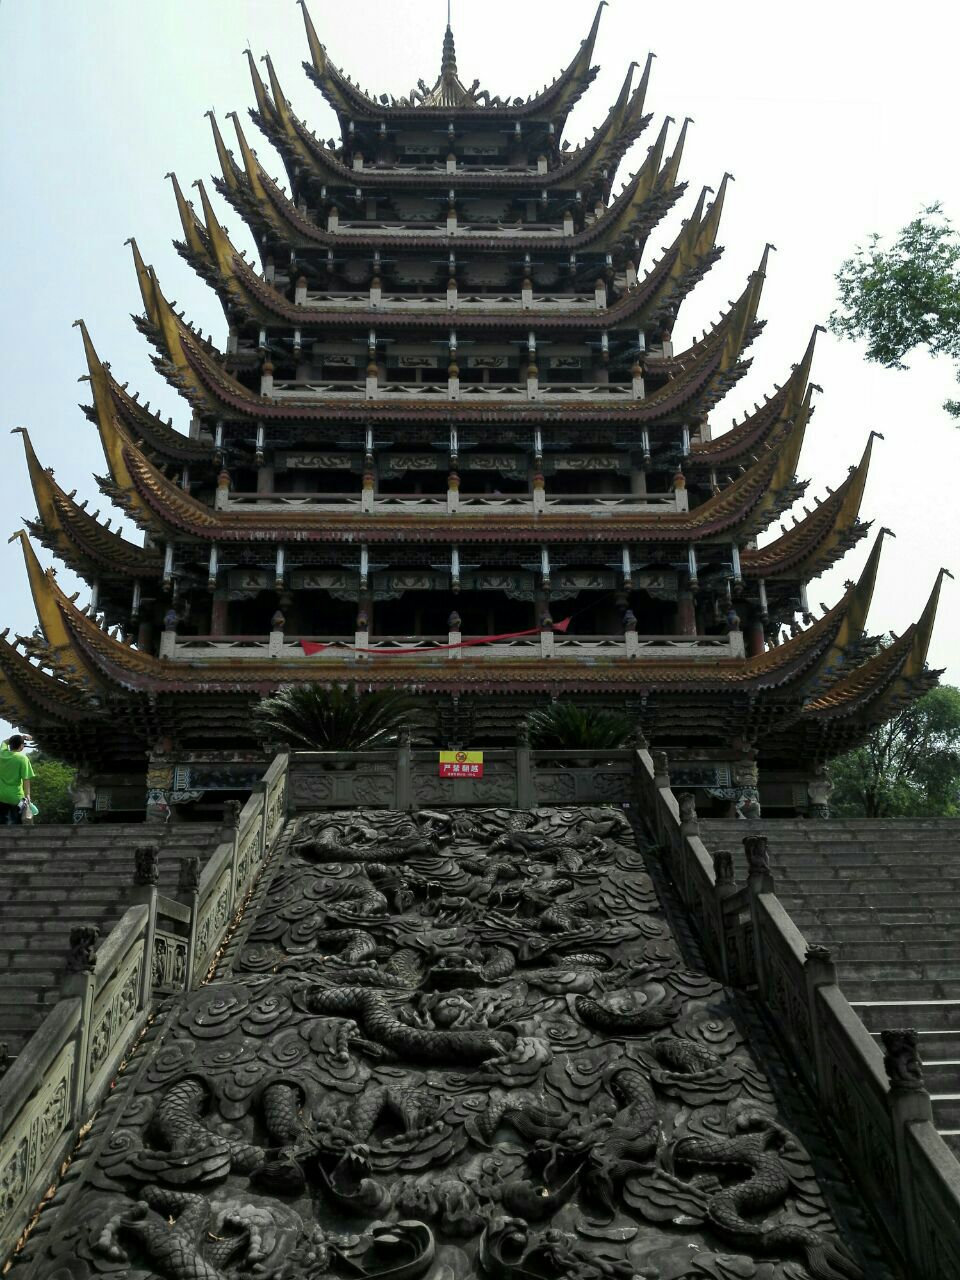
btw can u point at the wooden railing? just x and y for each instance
(159, 947)
(875, 1102)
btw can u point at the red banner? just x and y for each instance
(309, 647)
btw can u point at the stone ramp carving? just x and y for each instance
(444, 1045)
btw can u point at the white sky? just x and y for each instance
(836, 119)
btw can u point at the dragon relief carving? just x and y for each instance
(452, 1043)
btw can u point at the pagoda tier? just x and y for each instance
(357, 111)
(586, 173)
(449, 444)
(780, 691)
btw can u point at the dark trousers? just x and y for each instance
(10, 815)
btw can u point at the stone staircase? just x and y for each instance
(884, 896)
(54, 878)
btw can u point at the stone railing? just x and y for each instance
(875, 1101)
(408, 778)
(159, 947)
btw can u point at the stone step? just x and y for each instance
(28, 986)
(928, 866)
(879, 899)
(936, 970)
(57, 893)
(922, 891)
(946, 1110)
(888, 917)
(897, 989)
(52, 838)
(931, 1014)
(38, 957)
(96, 874)
(823, 928)
(942, 1077)
(769, 826)
(890, 952)
(19, 919)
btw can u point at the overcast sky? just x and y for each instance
(836, 119)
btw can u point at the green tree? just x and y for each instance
(312, 717)
(906, 296)
(910, 767)
(565, 726)
(50, 789)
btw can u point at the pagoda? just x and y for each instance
(449, 445)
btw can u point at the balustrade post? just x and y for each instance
(661, 771)
(275, 640)
(909, 1104)
(526, 790)
(733, 960)
(188, 891)
(539, 493)
(759, 880)
(454, 635)
(404, 772)
(146, 878)
(168, 640)
(78, 982)
(689, 822)
(819, 971)
(231, 836)
(361, 636)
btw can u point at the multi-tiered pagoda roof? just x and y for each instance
(449, 407)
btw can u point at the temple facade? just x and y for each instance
(448, 443)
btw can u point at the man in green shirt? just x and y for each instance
(15, 774)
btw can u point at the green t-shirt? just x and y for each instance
(14, 768)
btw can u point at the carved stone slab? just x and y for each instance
(451, 1044)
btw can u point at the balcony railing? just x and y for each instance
(452, 647)
(453, 389)
(453, 501)
(453, 300)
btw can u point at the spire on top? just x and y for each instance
(449, 91)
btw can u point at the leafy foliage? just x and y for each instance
(904, 297)
(564, 726)
(908, 768)
(50, 789)
(315, 718)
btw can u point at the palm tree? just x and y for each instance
(564, 726)
(314, 717)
